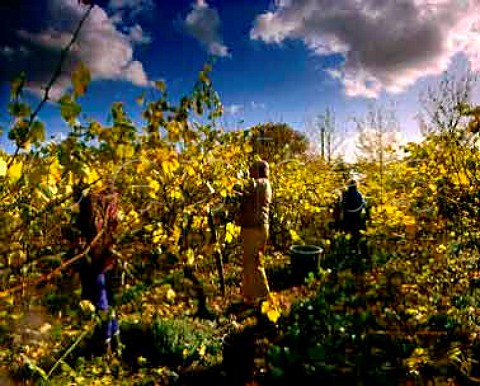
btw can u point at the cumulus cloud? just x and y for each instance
(203, 23)
(105, 50)
(386, 45)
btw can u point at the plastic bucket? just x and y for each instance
(305, 259)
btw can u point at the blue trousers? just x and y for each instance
(95, 289)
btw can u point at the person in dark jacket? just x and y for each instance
(353, 205)
(354, 213)
(96, 223)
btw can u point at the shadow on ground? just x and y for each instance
(281, 278)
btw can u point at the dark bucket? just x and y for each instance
(304, 259)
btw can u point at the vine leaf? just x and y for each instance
(69, 109)
(3, 168)
(15, 171)
(80, 79)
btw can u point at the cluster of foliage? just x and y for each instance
(414, 306)
(169, 174)
(176, 169)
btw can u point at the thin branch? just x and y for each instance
(56, 74)
(55, 272)
(86, 331)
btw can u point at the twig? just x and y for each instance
(55, 272)
(70, 349)
(56, 74)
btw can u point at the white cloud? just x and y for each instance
(106, 51)
(135, 7)
(387, 45)
(137, 35)
(257, 105)
(57, 137)
(134, 73)
(203, 23)
(233, 109)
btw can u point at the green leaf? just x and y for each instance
(37, 132)
(69, 109)
(19, 132)
(160, 85)
(80, 80)
(35, 370)
(19, 109)
(17, 86)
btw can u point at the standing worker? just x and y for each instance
(97, 221)
(254, 215)
(354, 213)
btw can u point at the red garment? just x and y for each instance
(99, 211)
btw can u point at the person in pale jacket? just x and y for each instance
(254, 221)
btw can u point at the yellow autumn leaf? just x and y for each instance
(54, 171)
(294, 235)
(120, 151)
(418, 351)
(87, 306)
(231, 231)
(273, 315)
(160, 84)
(124, 151)
(80, 79)
(3, 168)
(140, 100)
(132, 217)
(409, 220)
(174, 129)
(45, 327)
(190, 256)
(175, 195)
(169, 166)
(170, 295)
(15, 171)
(153, 184)
(157, 238)
(96, 128)
(89, 175)
(190, 170)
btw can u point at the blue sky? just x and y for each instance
(283, 60)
